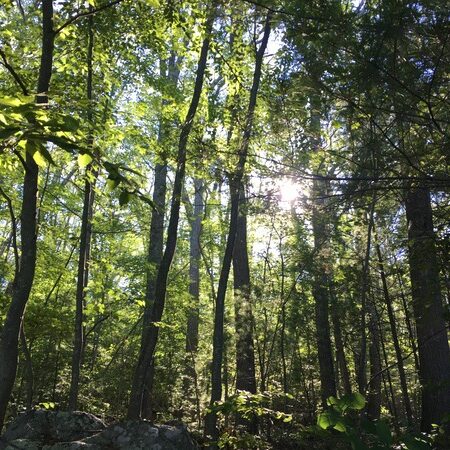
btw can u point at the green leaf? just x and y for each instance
(340, 426)
(352, 401)
(332, 401)
(112, 183)
(327, 419)
(124, 198)
(84, 159)
(70, 123)
(34, 148)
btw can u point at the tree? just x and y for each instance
(245, 354)
(84, 255)
(218, 339)
(148, 345)
(25, 269)
(434, 358)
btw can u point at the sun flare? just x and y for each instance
(289, 192)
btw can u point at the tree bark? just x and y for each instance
(340, 351)
(320, 289)
(245, 353)
(218, 335)
(194, 268)
(392, 405)
(84, 255)
(374, 387)
(432, 339)
(190, 379)
(149, 343)
(23, 278)
(362, 359)
(395, 340)
(28, 369)
(156, 237)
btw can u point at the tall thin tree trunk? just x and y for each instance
(395, 340)
(85, 240)
(374, 387)
(218, 338)
(149, 343)
(283, 321)
(245, 353)
(320, 289)
(28, 370)
(432, 339)
(23, 278)
(409, 325)
(156, 238)
(194, 268)
(362, 359)
(190, 380)
(393, 405)
(340, 351)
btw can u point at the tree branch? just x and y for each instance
(14, 228)
(86, 14)
(11, 70)
(285, 12)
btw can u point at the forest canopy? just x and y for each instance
(230, 213)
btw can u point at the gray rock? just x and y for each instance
(23, 444)
(75, 445)
(53, 426)
(140, 434)
(52, 430)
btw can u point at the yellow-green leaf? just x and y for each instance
(10, 101)
(39, 159)
(84, 159)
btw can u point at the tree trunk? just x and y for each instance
(409, 325)
(149, 343)
(85, 241)
(362, 359)
(190, 380)
(218, 341)
(374, 387)
(28, 369)
(393, 405)
(245, 353)
(432, 340)
(321, 271)
(395, 340)
(340, 351)
(23, 278)
(170, 71)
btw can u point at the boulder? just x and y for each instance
(140, 434)
(53, 426)
(58, 430)
(22, 444)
